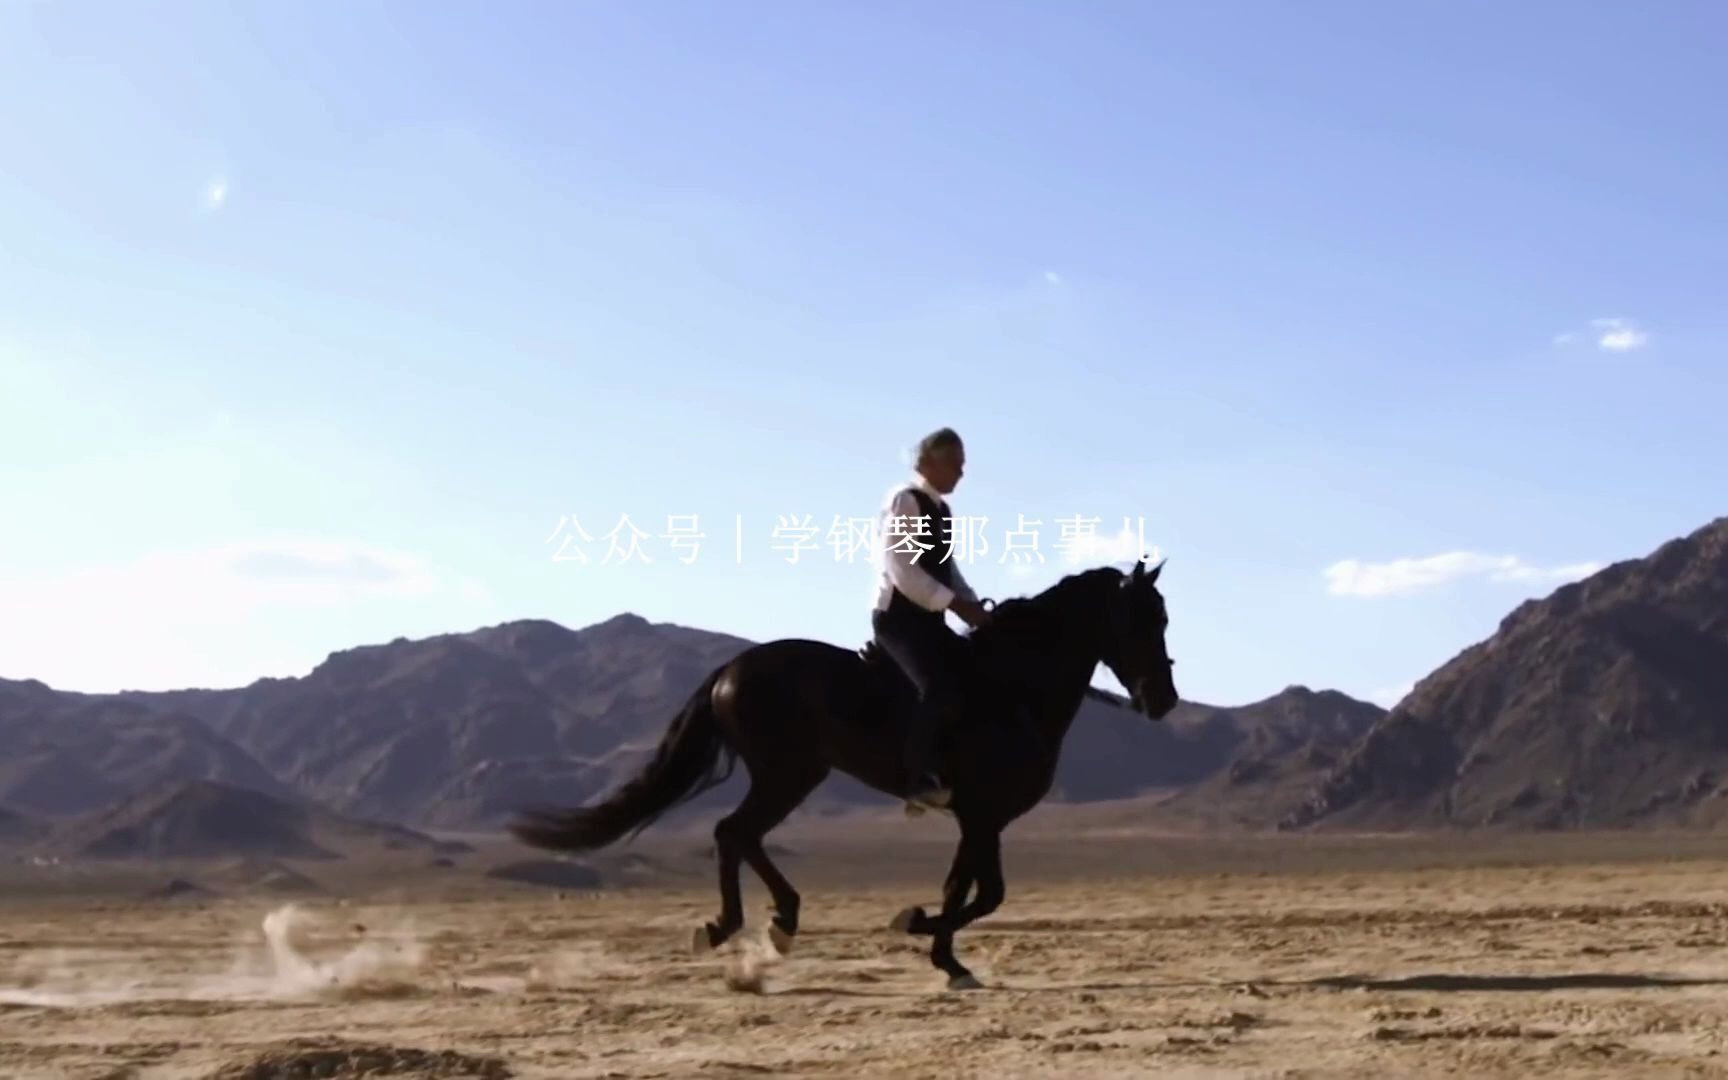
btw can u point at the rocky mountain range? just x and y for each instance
(461, 730)
(1604, 704)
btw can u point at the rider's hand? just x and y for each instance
(971, 611)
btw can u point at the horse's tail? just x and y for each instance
(693, 756)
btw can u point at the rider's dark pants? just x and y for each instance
(928, 652)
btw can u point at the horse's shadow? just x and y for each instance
(1454, 983)
(830, 991)
(1432, 983)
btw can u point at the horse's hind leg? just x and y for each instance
(738, 838)
(784, 926)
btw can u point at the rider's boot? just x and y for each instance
(926, 789)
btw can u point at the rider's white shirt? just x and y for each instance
(903, 566)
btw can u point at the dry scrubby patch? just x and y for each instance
(304, 1058)
(1465, 1031)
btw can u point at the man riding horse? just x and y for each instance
(919, 583)
(794, 710)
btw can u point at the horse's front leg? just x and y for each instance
(977, 861)
(985, 866)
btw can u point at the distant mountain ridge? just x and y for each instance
(1288, 742)
(1604, 704)
(464, 729)
(65, 753)
(441, 729)
(204, 819)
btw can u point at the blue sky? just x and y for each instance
(317, 319)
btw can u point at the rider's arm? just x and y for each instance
(962, 588)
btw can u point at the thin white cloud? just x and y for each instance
(325, 570)
(1052, 277)
(1618, 335)
(1354, 577)
(216, 193)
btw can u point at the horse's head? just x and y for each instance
(1134, 649)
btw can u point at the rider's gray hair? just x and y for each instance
(939, 440)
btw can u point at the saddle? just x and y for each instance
(883, 671)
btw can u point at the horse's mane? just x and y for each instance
(1015, 620)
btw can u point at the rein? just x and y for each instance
(1108, 698)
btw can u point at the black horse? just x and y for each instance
(794, 710)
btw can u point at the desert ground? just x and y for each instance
(1116, 954)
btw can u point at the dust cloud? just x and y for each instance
(749, 960)
(294, 954)
(578, 966)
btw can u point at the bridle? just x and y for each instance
(1117, 622)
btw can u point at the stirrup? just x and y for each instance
(922, 801)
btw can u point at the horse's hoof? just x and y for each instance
(702, 941)
(965, 982)
(904, 921)
(781, 940)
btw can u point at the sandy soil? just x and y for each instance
(1378, 964)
